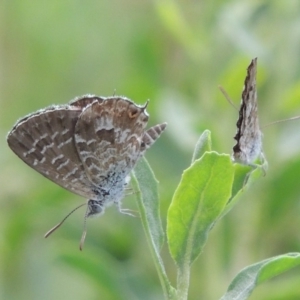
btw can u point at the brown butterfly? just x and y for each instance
(88, 147)
(249, 137)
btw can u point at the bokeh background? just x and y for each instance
(174, 53)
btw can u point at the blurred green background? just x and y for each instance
(174, 53)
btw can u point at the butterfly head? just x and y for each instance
(94, 208)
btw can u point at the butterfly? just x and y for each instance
(88, 147)
(248, 136)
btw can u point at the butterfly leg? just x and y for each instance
(124, 211)
(264, 163)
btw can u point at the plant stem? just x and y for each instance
(183, 280)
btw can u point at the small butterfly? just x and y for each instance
(88, 147)
(249, 137)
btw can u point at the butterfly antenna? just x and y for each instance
(145, 105)
(226, 96)
(84, 231)
(63, 220)
(284, 120)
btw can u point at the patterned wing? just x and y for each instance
(45, 142)
(151, 135)
(249, 137)
(84, 101)
(108, 138)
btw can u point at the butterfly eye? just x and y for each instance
(95, 208)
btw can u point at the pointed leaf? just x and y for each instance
(199, 199)
(244, 177)
(245, 282)
(203, 144)
(149, 204)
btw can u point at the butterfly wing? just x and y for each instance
(84, 101)
(248, 136)
(151, 135)
(45, 141)
(108, 138)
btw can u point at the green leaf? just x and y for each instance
(245, 282)
(149, 205)
(244, 177)
(242, 174)
(199, 199)
(203, 145)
